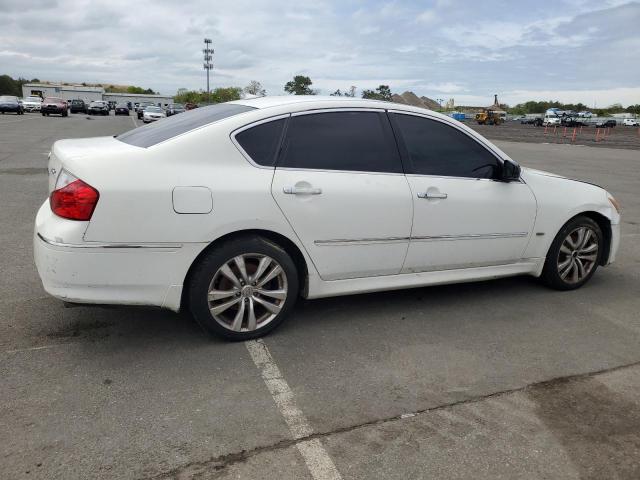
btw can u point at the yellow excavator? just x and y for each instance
(488, 117)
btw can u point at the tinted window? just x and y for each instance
(356, 141)
(175, 125)
(435, 148)
(261, 142)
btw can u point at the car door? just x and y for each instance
(340, 184)
(463, 216)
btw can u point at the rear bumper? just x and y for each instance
(108, 273)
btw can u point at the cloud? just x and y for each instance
(469, 50)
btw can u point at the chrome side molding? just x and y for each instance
(167, 246)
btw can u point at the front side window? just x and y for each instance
(435, 148)
(261, 142)
(352, 141)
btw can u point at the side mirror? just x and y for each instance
(510, 171)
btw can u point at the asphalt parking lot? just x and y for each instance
(501, 379)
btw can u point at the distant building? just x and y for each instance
(160, 100)
(89, 94)
(66, 92)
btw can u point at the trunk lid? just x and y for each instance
(73, 155)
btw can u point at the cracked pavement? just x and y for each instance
(501, 379)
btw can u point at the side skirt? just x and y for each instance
(319, 288)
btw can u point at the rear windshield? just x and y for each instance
(175, 125)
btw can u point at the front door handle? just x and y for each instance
(429, 195)
(302, 190)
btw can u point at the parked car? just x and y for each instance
(532, 121)
(32, 103)
(122, 109)
(54, 105)
(606, 124)
(551, 120)
(152, 114)
(141, 106)
(98, 107)
(78, 106)
(190, 106)
(11, 104)
(631, 122)
(573, 122)
(359, 200)
(175, 108)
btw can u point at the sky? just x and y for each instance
(566, 50)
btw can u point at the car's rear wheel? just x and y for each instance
(574, 254)
(243, 289)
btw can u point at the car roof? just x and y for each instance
(279, 100)
(319, 102)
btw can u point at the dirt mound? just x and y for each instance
(410, 98)
(430, 103)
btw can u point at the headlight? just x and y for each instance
(615, 203)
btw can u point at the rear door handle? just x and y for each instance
(428, 195)
(302, 190)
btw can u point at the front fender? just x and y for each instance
(559, 200)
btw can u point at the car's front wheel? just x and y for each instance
(243, 288)
(574, 254)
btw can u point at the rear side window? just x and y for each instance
(435, 148)
(354, 141)
(175, 125)
(261, 142)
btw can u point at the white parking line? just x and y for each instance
(315, 456)
(135, 124)
(42, 347)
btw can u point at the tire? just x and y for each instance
(65, 114)
(572, 259)
(270, 310)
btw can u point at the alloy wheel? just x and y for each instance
(578, 255)
(247, 292)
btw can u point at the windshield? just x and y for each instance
(33, 99)
(175, 125)
(153, 109)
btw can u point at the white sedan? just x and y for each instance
(235, 210)
(32, 104)
(152, 114)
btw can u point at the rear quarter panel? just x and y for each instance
(136, 191)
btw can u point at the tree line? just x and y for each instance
(299, 85)
(302, 85)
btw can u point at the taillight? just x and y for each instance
(72, 198)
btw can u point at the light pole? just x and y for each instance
(208, 65)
